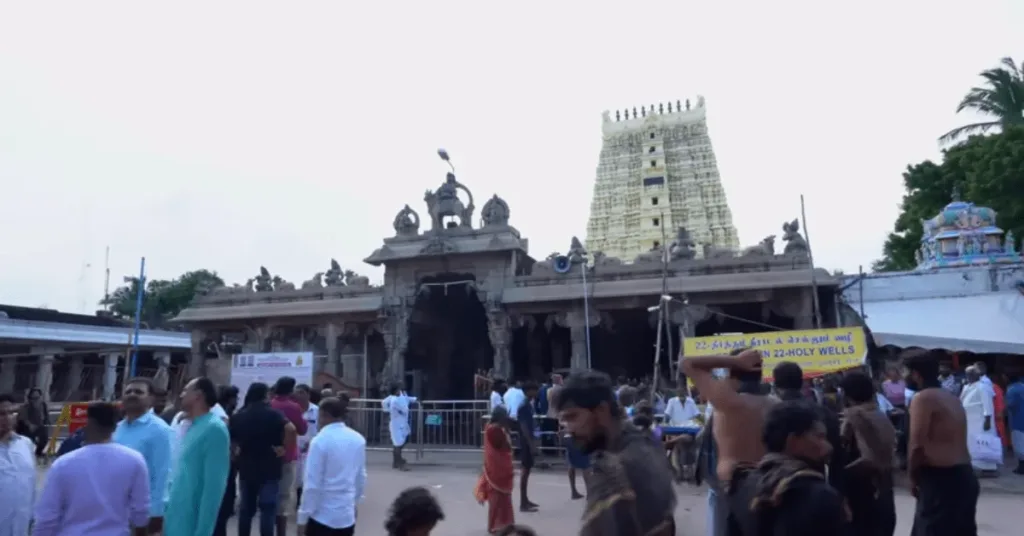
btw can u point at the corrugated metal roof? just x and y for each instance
(987, 323)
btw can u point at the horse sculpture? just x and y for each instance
(445, 202)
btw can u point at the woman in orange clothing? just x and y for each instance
(999, 406)
(496, 480)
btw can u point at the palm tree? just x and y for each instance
(1002, 101)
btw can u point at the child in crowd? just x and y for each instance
(644, 420)
(415, 512)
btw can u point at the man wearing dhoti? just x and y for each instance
(397, 406)
(981, 430)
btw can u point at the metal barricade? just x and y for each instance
(442, 426)
(436, 426)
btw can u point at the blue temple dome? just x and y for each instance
(964, 234)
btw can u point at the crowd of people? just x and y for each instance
(789, 456)
(181, 471)
(790, 460)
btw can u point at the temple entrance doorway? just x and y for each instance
(448, 339)
(627, 349)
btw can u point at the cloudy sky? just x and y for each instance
(227, 135)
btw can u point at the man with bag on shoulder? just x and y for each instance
(983, 442)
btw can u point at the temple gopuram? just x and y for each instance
(964, 296)
(459, 299)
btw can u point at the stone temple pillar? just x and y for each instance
(351, 356)
(8, 365)
(576, 321)
(197, 355)
(499, 330)
(395, 329)
(75, 376)
(332, 331)
(110, 375)
(44, 377)
(163, 371)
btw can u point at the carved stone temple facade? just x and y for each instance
(458, 299)
(657, 172)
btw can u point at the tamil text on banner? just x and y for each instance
(247, 369)
(817, 351)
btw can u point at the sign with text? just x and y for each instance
(78, 415)
(247, 369)
(817, 351)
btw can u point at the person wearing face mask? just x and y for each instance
(788, 494)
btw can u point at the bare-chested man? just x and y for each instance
(939, 463)
(739, 413)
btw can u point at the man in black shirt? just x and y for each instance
(257, 439)
(787, 494)
(527, 444)
(789, 379)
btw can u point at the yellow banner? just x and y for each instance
(817, 351)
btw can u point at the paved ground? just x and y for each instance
(1006, 482)
(998, 513)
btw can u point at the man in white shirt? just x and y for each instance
(397, 406)
(310, 414)
(513, 398)
(985, 380)
(499, 389)
(17, 473)
(335, 475)
(681, 409)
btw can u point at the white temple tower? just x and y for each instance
(657, 173)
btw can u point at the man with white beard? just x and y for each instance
(981, 430)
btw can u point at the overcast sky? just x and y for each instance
(227, 135)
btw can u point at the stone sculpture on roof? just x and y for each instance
(314, 282)
(280, 284)
(444, 202)
(335, 276)
(495, 212)
(795, 243)
(264, 282)
(407, 222)
(683, 248)
(766, 248)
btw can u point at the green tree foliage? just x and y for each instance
(986, 170)
(163, 299)
(1000, 100)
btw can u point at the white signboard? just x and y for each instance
(247, 369)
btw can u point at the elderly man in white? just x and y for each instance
(982, 439)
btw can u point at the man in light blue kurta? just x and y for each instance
(201, 472)
(146, 433)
